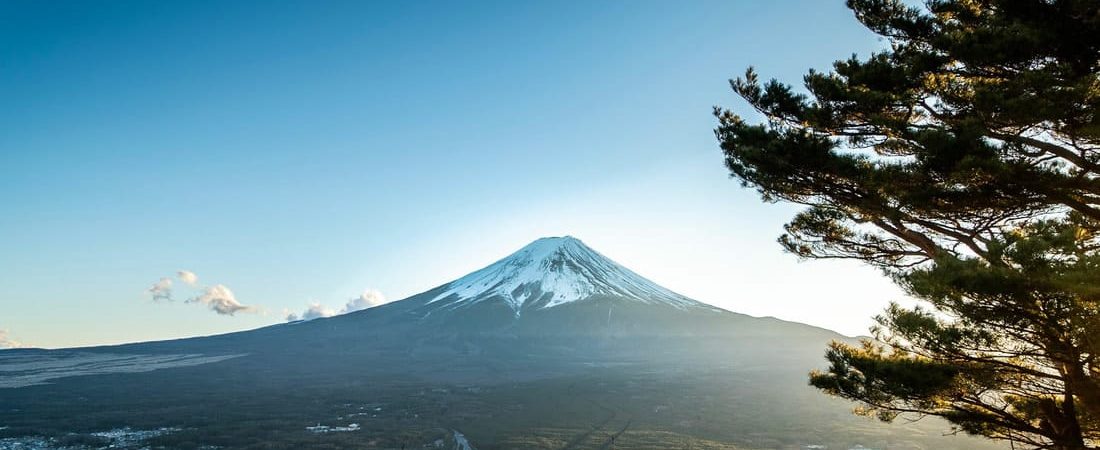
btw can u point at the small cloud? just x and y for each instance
(368, 299)
(317, 311)
(290, 317)
(218, 297)
(161, 290)
(6, 341)
(188, 277)
(221, 300)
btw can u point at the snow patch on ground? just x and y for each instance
(117, 438)
(330, 429)
(461, 443)
(128, 436)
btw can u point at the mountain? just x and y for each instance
(551, 272)
(559, 286)
(554, 346)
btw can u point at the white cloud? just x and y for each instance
(221, 300)
(161, 290)
(6, 341)
(368, 299)
(218, 297)
(188, 277)
(317, 311)
(290, 317)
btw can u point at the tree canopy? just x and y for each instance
(964, 161)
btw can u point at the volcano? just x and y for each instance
(559, 287)
(551, 272)
(555, 346)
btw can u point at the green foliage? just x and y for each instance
(965, 162)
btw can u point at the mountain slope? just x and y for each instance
(554, 346)
(554, 271)
(559, 287)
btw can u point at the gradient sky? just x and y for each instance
(305, 151)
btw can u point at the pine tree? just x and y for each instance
(964, 161)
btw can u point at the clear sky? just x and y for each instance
(300, 152)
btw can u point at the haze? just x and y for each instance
(302, 155)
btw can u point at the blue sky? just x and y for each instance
(302, 152)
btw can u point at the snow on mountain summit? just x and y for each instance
(553, 271)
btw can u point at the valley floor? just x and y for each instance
(250, 402)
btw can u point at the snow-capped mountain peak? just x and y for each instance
(554, 271)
